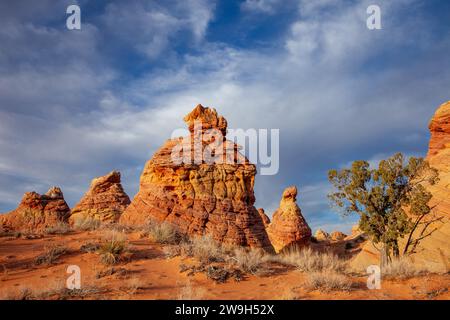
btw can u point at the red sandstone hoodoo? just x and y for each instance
(215, 199)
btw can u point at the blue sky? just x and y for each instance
(76, 104)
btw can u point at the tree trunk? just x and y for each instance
(384, 255)
(396, 250)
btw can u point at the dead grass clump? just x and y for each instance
(89, 247)
(50, 255)
(86, 224)
(307, 260)
(205, 249)
(113, 249)
(327, 281)
(188, 292)
(118, 272)
(249, 261)
(164, 233)
(402, 268)
(172, 251)
(59, 228)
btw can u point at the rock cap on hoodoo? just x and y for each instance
(208, 117)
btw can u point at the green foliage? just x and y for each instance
(382, 195)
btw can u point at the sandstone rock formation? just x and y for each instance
(37, 212)
(434, 250)
(104, 201)
(264, 217)
(198, 196)
(321, 235)
(288, 227)
(337, 236)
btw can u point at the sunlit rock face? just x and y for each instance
(36, 212)
(105, 200)
(288, 227)
(201, 197)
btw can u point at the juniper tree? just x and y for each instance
(382, 197)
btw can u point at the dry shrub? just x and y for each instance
(204, 248)
(89, 247)
(188, 292)
(249, 260)
(58, 228)
(86, 224)
(307, 260)
(50, 255)
(164, 233)
(114, 248)
(401, 268)
(327, 281)
(172, 251)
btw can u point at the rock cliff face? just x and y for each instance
(288, 227)
(37, 212)
(434, 251)
(264, 217)
(200, 196)
(104, 201)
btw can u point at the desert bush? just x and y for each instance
(172, 251)
(327, 281)
(113, 248)
(308, 260)
(86, 224)
(164, 233)
(188, 292)
(249, 261)
(89, 247)
(59, 228)
(401, 268)
(204, 248)
(50, 255)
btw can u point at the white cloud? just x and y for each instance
(265, 6)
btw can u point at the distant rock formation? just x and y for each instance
(288, 227)
(201, 197)
(37, 212)
(337, 236)
(104, 201)
(321, 235)
(264, 217)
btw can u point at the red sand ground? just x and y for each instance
(153, 276)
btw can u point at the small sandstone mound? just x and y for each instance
(321, 235)
(264, 217)
(337, 236)
(104, 201)
(201, 197)
(37, 212)
(288, 227)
